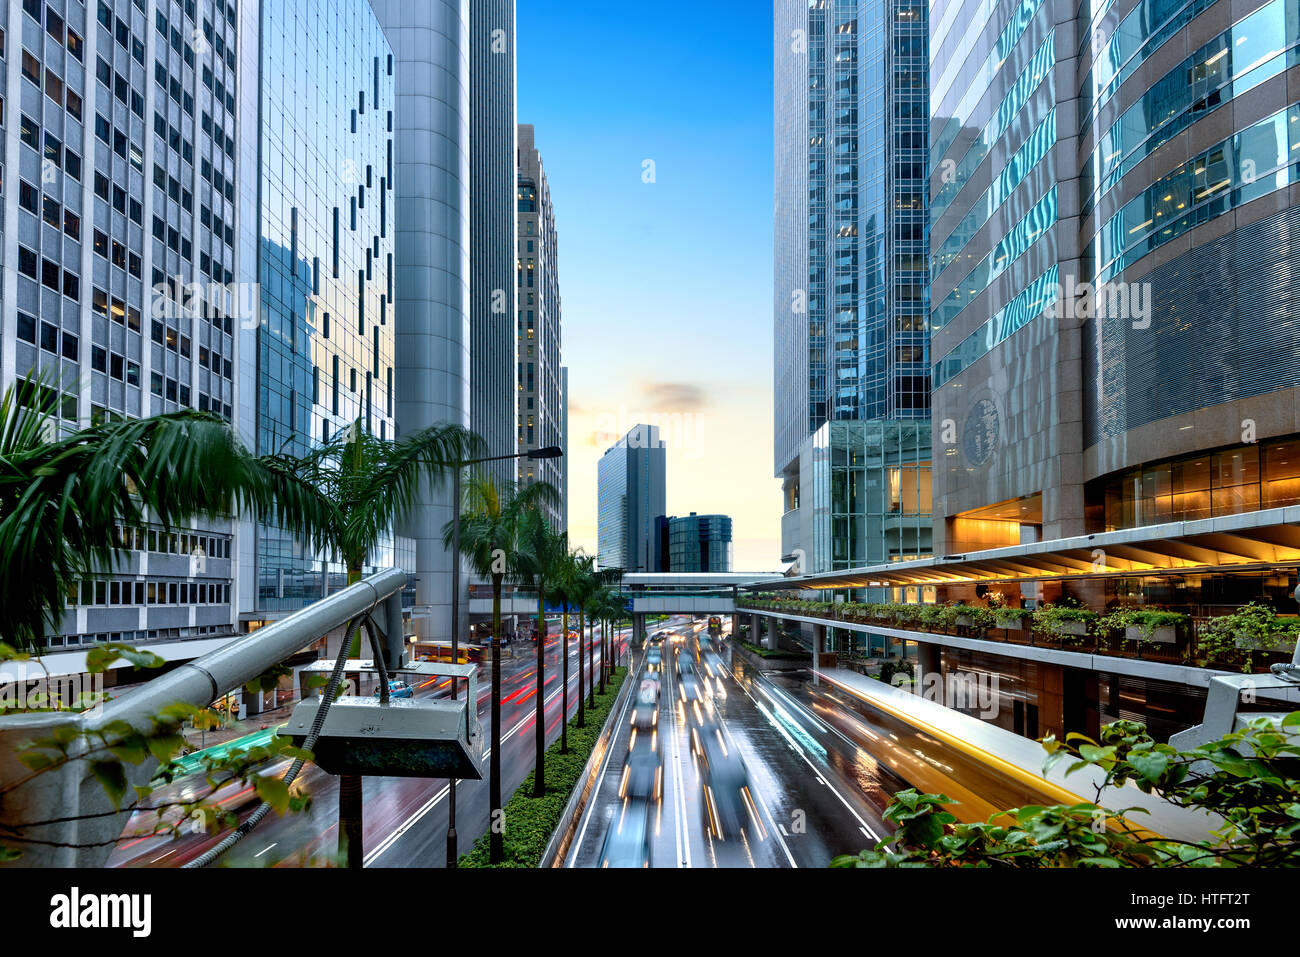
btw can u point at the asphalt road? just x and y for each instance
(815, 792)
(405, 819)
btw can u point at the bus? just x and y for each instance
(715, 624)
(441, 651)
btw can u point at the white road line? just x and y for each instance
(600, 778)
(429, 805)
(834, 790)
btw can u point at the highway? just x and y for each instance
(404, 819)
(812, 792)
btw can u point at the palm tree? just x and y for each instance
(607, 606)
(568, 584)
(539, 559)
(368, 485)
(64, 497)
(588, 581)
(371, 484)
(490, 521)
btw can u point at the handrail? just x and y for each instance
(205, 679)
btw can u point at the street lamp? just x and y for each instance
(494, 768)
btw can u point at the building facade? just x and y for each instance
(120, 155)
(432, 335)
(851, 293)
(1112, 321)
(631, 495)
(322, 351)
(542, 393)
(699, 543)
(493, 224)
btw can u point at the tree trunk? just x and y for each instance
(604, 653)
(582, 714)
(591, 660)
(539, 768)
(564, 679)
(350, 820)
(496, 838)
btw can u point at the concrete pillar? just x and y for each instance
(638, 629)
(819, 645)
(773, 633)
(756, 631)
(735, 624)
(929, 658)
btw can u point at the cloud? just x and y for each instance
(674, 396)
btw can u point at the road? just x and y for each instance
(816, 793)
(405, 819)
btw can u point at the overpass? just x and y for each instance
(646, 593)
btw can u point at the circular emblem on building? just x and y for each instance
(980, 434)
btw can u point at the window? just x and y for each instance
(29, 197)
(72, 164)
(27, 328)
(53, 87)
(74, 44)
(27, 260)
(50, 273)
(31, 68)
(71, 285)
(29, 132)
(49, 337)
(72, 224)
(52, 212)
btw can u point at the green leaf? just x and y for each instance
(273, 791)
(112, 777)
(1150, 764)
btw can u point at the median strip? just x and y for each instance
(530, 821)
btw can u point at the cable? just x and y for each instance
(309, 742)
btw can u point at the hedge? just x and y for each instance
(531, 821)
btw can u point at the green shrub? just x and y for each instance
(530, 821)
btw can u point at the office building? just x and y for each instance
(120, 150)
(431, 49)
(699, 543)
(852, 383)
(493, 219)
(1113, 321)
(541, 382)
(631, 494)
(321, 238)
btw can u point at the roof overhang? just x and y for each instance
(1252, 541)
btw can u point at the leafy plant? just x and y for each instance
(1051, 619)
(1252, 787)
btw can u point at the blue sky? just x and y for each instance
(666, 285)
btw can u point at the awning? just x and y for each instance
(1252, 541)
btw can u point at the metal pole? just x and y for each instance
(455, 650)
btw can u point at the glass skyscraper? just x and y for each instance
(541, 384)
(325, 243)
(852, 363)
(493, 296)
(699, 543)
(631, 494)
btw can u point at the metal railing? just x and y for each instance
(83, 830)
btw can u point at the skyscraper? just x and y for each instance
(1115, 274)
(430, 42)
(493, 219)
(631, 494)
(541, 383)
(321, 355)
(699, 543)
(851, 292)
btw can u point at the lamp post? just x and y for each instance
(494, 765)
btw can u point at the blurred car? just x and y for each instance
(685, 664)
(627, 839)
(643, 774)
(398, 689)
(645, 709)
(728, 801)
(654, 659)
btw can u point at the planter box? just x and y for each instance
(1010, 624)
(1072, 627)
(1245, 641)
(964, 621)
(1164, 634)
